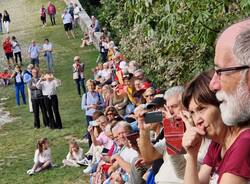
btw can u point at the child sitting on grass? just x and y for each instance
(42, 157)
(74, 156)
(85, 40)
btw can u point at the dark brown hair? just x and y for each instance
(198, 89)
(97, 114)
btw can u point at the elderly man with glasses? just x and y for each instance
(231, 79)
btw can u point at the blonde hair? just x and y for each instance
(149, 90)
(74, 144)
(89, 82)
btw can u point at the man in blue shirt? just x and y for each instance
(34, 52)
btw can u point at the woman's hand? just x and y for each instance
(91, 130)
(192, 138)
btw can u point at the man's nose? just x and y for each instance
(215, 83)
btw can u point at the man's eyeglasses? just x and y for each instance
(219, 71)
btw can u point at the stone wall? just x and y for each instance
(85, 22)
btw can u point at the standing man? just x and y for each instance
(34, 52)
(52, 13)
(37, 99)
(67, 22)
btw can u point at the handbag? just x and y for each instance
(75, 75)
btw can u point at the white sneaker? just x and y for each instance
(30, 172)
(84, 161)
(88, 170)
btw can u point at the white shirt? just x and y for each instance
(67, 18)
(47, 47)
(105, 74)
(167, 167)
(76, 12)
(16, 47)
(18, 77)
(48, 87)
(42, 157)
(76, 157)
(166, 174)
(128, 154)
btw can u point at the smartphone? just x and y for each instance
(153, 117)
(173, 132)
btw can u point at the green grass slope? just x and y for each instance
(18, 139)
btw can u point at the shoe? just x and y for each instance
(88, 170)
(84, 161)
(30, 172)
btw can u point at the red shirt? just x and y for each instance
(7, 47)
(236, 159)
(51, 9)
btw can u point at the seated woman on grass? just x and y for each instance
(42, 157)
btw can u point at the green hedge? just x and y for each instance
(172, 39)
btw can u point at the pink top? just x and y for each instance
(105, 140)
(235, 161)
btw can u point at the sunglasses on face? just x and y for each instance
(151, 95)
(113, 86)
(110, 114)
(220, 71)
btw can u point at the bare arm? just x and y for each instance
(228, 178)
(148, 152)
(123, 164)
(93, 138)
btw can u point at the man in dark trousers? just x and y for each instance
(52, 13)
(37, 99)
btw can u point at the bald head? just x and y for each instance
(232, 84)
(233, 41)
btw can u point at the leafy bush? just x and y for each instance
(173, 40)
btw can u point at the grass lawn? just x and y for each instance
(18, 139)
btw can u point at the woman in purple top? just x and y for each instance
(228, 157)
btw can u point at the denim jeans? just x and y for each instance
(49, 60)
(20, 88)
(79, 84)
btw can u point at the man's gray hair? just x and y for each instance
(173, 91)
(241, 47)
